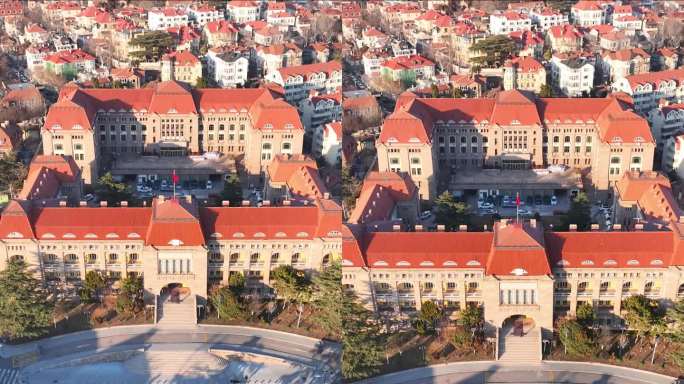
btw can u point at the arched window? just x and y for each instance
(234, 257)
(604, 286)
(473, 286)
(266, 146)
(382, 286)
(16, 258)
(274, 258)
(254, 258)
(562, 286)
(582, 286)
(113, 257)
(295, 258)
(71, 258)
(133, 258)
(405, 286)
(326, 260)
(649, 287)
(428, 285)
(626, 286)
(680, 291)
(91, 258)
(50, 258)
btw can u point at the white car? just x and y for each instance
(554, 200)
(143, 189)
(425, 215)
(209, 184)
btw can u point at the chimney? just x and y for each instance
(266, 203)
(419, 228)
(441, 228)
(463, 228)
(83, 203)
(287, 203)
(573, 227)
(124, 204)
(396, 228)
(225, 203)
(188, 199)
(326, 195)
(617, 227)
(103, 203)
(639, 226)
(245, 203)
(594, 227)
(62, 203)
(533, 223)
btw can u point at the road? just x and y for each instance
(545, 372)
(299, 350)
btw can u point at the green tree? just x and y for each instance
(469, 323)
(328, 297)
(92, 284)
(641, 314)
(290, 284)
(585, 314)
(363, 342)
(201, 82)
(574, 338)
(236, 282)
(435, 91)
(111, 191)
(450, 212)
(579, 213)
(430, 313)
(152, 45)
(130, 299)
(545, 91)
(351, 187)
(226, 304)
(232, 190)
(25, 311)
(494, 50)
(457, 93)
(548, 54)
(12, 173)
(675, 317)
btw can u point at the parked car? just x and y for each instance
(488, 211)
(425, 215)
(89, 197)
(554, 200)
(143, 188)
(524, 212)
(209, 185)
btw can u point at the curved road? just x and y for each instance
(543, 372)
(322, 355)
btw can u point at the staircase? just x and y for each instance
(172, 313)
(175, 362)
(516, 349)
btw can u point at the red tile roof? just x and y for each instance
(174, 222)
(380, 193)
(15, 222)
(654, 78)
(311, 69)
(182, 58)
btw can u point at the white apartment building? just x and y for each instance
(507, 22)
(587, 13)
(164, 18)
(242, 11)
(573, 76)
(329, 143)
(673, 155)
(227, 69)
(316, 111)
(203, 14)
(667, 122)
(299, 81)
(630, 24)
(647, 89)
(547, 18)
(623, 63)
(372, 63)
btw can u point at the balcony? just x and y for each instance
(216, 263)
(428, 292)
(451, 293)
(629, 292)
(235, 264)
(299, 265)
(473, 293)
(256, 265)
(562, 292)
(652, 293)
(585, 293)
(607, 293)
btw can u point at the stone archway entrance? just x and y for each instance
(176, 305)
(174, 292)
(517, 325)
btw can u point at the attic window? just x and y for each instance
(56, 126)
(268, 126)
(302, 234)
(77, 127)
(380, 263)
(90, 236)
(68, 236)
(403, 264)
(289, 126)
(112, 236)
(14, 235)
(562, 263)
(334, 234)
(610, 262)
(281, 234)
(347, 263)
(414, 140)
(515, 122)
(519, 272)
(173, 110)
(238, 234)
(473, 263)
(633, 262)
(175, 242)
(449, 263)
(133, 235)
(427, 264)
(587, 262)
(638, 139)
(392, 140)
(259, 234)
(216, 235)
(48, 236)
(656, 262)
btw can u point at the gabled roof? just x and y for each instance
(15, 222)
(514, 105)
(517, 249)
(172, 96)
(174, 222)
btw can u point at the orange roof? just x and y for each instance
(517, 249)
(171, 95)
(380, 193)
(174, 221)
(652, 192)
(220, 26)
(294, 222)
(299, 173)
(182, 58)
(514, 105)
(83, 223)
(310, 69)
(15, 221)
(565, 31)
(654, 78)
(23, 95)
(525, 64)
(626, 54)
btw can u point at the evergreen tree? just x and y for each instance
(579, 213)
(675, 316)
(226, 304)
(641, 314)
(153, 45)
(363, 342)
(130, 299)
(201, 82)
(290, 284)
(12, 173)
(434, 90)
(574, 338)
(494, 50)
(111, 191)
(545, 91)
(232, 190)
(92, 284)
(25, 311)
(236, 282)
(457, 93)
(328, 297)
(451, 212)
(585, 314)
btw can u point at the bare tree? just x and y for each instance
(47, 77)
(673, 32)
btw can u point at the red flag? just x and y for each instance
(174, 177)
(517, 199)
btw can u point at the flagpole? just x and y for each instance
(517, 207)
(173, 181)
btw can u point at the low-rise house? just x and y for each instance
(203, 14)
(665, 59)
(165, 18)
(318, 110)
(52, 178)
(35, 34)
(187, 38)
(622, 63)
(673, 155)
(364, 107)
(273, 57)
(317, 53)
(284, 21)
(645, 201)
(630, 24)
(372, 62)
(529, 43)
(328, 143)
(648, 89)
(564, 38)
(268, 35)
(227, 68)
(506, 22)
(242, 11)
(666, 121)
(10, 137)
(128, 77)
(586, 13)
(573, 76)
(524, 73)
(614, 41)
(372, 38)
(386, 199)
(293, 178)
(181, 66)
(300, 80)
(35, 57)
(219, 33)
(27, 100)
(470, 86)
(69, 64)
(546, 18)
(408, 69)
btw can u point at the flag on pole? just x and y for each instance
(174, 180)
(517, 199)
(517, 207)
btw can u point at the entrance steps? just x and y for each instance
(172, 313)
(517, 349)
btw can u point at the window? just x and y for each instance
(133, 258)
(71, 258)
(254, 258)
(234, 258)
(274, 258)
(326, 260)
(295, 258)
(626, 286)
(113, 257)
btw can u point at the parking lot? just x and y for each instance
(198, 188)
(530, 204)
